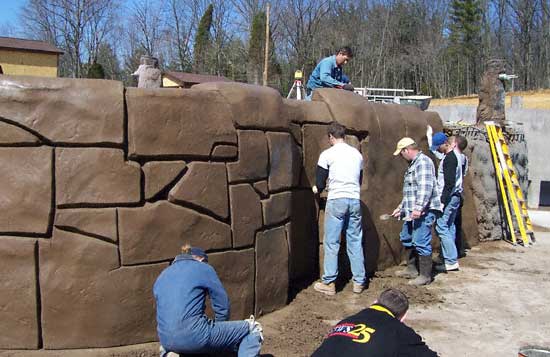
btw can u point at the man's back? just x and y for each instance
(373, 332)
(344, 164)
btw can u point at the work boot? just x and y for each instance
(411, 271)
(444, 267)
(425, 267)
(327, 289)
(358, 288)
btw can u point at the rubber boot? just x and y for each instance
(411, 271)
(425, 265)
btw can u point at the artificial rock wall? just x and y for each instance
(101, 185)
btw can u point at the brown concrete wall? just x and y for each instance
(101, 185)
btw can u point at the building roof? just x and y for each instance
(27, 45)
(182, 78)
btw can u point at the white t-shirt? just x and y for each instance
(344, 164)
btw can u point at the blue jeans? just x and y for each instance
(215, 337)
(446, 229)
(417, 234)
(343, 214)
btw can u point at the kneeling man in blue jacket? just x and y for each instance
(180, 293)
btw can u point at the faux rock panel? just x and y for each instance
(271, 270)
(177, 122)
(251, 106)
(262, 188)
(11, 134)
(225, 152)
(95, 176)
(65, 110)
(284, 161)
(99, 222)
(315, 141)
(205, 185)
(236, 271)
(253, 157)
(277, 208)
(159, 174)
(88, 300)
(308, 111)
(26, 189)
(246, 214)
(18, 300)
(157, 231)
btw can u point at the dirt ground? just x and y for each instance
(531, 99)
(497, 303)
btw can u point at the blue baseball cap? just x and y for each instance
(438, 139)
(199, 252)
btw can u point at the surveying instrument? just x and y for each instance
(297, 91)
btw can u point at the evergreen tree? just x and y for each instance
(256, 53)
(96, 71)
(202, 41)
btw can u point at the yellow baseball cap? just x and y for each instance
(403, 143)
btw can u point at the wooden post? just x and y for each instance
(266, 59)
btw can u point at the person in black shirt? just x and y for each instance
(376, 331)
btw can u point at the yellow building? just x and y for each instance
(187, 80)
(28, 57)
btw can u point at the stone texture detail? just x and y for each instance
(315, 141)
(236, 271)
(65, 110)
(165, 122)
(157, 231)
(308, 111)
(491, 93)
(246, 214)
(262, 188)
(159, 174)
(251, 106)
(88, 300)
(225, 152)
(296, 131)
(95, 176)
(25, 190)
(253, 157)
(271, 270)
(11, 134)
(276, 208)
(284, 161)
(204, 185)
(18, 300)
(98, 222)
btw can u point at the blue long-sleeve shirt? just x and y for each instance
(327, 74)
(180, 293)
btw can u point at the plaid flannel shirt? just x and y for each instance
(420, 187)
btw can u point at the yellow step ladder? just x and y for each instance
(509, 186)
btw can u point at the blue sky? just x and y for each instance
(10, 9)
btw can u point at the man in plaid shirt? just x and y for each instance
(418, 209)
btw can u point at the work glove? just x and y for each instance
(348, 87)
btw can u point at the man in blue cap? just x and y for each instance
(328, 73)
(449, 184)
(180, 294)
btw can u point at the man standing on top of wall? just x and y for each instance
(342, 165)
(449, 184)
(328, 73)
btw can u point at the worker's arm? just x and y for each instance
(449, 173)
(218, 296)
(424, 175)
(325, 74)
(321, 175)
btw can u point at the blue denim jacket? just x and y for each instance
(327, 74)
(180, 294)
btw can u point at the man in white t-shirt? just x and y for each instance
(342, 165)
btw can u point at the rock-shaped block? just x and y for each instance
(26, 189)
(284, 161)
(100, 222)
(251, 106)
(225, 151)
(88, 300)
(253, 158)
(179, 122)
(302, 111)
(262, 188)
(204, 185)
(160, 174)
(96, 176)
(236, 271)
(296, 131)
(18, 300)
(63, 110)
(271, 270)
(157, 231)
(277, 208)
(246, 214)
(315, 141)
(11, 134)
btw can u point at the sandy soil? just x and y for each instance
(497, 303)
(531, 99)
